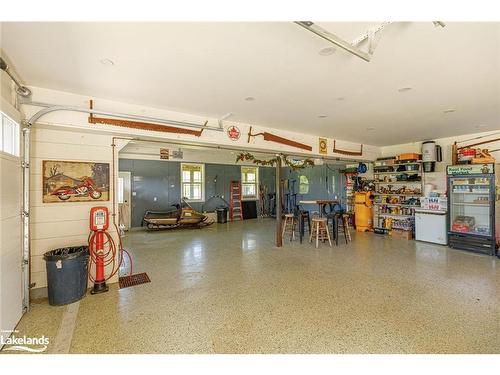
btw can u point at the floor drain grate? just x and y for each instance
(138, 278)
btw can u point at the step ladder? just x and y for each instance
(235, 208)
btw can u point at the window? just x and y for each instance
(303, 185)
(9, 135)
(192, 181)
(249, 182)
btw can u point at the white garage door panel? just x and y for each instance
(11, 290)
(11, 235)
(11, 285)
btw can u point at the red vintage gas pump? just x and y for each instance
(102, 249)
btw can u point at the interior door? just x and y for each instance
(124, 196)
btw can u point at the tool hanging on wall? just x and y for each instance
(263, 201)
(455, 149)
(483, 156)
(277, 139)
(344, 152)
(142, 125)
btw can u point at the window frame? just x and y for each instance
(256, 183)
(191, 182)
(16, 136)
(301, 184)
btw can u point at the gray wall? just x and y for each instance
(161, 180)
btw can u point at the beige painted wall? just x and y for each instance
(438, 178)
(55, 225)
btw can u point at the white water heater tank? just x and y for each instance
(431, 153)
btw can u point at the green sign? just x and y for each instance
(470, 169)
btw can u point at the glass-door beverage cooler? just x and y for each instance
(473, 207)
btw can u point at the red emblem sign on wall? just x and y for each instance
(233, 133)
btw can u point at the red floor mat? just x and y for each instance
(138, 278)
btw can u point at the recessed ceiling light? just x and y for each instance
(340, 98)
(403, 89)
(107, 62)
(449, 110)
(249, 98)
(322, 116)
(327, 51)
(370, 128)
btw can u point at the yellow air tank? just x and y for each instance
(363, 211)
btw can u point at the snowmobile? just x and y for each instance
(182, 216)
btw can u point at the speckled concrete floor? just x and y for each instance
(226, 289)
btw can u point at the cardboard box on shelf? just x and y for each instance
(409, 156)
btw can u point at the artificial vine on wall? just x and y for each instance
(295, 165)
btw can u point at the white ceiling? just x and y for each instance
(209, 68)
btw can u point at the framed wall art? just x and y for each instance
(74, 181)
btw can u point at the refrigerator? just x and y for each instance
(473, 207)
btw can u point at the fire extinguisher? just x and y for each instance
(102, 250)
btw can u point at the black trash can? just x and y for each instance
(221, 215)
(66, 274)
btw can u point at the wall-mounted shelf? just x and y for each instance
(399, 172)
(397, 194)
(405, 219)
(395, 215)
(397, 182)
(396, 205)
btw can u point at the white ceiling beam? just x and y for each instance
(325, 34)
(373, 31)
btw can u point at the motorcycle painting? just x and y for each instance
(68, 181)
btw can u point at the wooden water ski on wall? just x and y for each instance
(142, 125)
(277, 139)
(344, 152)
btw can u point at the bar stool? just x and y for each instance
(303, 219)
(289, 226)
(341, 219)
(346, 219)
(320, 230)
